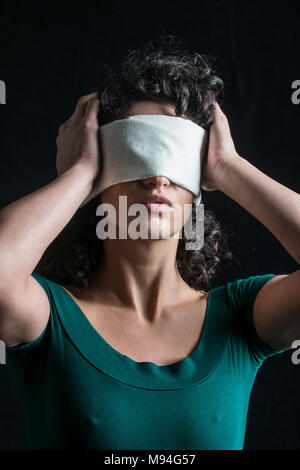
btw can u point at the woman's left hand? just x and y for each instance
(221, 151)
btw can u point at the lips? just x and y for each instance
(155, 199)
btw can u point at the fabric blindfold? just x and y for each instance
(146, 145)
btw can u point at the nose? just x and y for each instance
(156, 181)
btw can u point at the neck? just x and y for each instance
(140, 275)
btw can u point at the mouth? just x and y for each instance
(157, 203)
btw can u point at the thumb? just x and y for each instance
(92, 109)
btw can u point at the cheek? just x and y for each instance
(110, 196)
(185, 196)
(184, 208)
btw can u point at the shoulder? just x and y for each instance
(276, 310)
(243, 295)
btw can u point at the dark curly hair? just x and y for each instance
(161, 70)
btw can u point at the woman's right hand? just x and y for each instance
(78, 140)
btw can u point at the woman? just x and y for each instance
(125, 347)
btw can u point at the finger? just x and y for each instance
(92, 109)
(63, 125)
(217, 110)
(221, 125)
(220, 119)
(81, 105)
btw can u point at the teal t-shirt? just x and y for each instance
(78, 392)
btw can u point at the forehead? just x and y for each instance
(151, 107)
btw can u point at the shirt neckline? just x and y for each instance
(183, 373)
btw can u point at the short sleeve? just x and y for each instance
(22, 348)
(242, 294)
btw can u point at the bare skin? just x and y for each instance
(171, 337)
(138, 301)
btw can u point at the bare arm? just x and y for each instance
(276, 311)
(30, 224)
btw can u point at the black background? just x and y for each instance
(50, 55)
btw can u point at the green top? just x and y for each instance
(78, 392)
